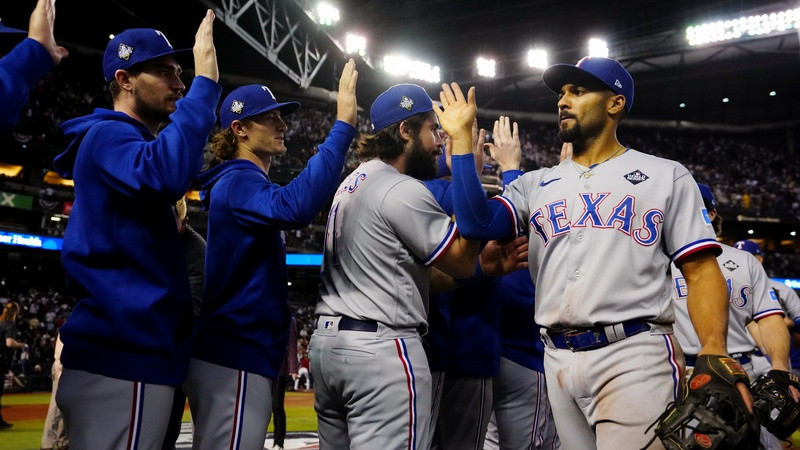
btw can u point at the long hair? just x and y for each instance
(388, 144)
(10, 312)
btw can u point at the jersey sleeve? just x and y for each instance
(766, 302)
(688, 228)
(419, 222)
(788, 299)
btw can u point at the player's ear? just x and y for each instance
(405, 131)
(616, 104)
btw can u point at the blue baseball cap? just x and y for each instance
(133, 46)
(399, 102)
(251, 100)
(749, 246)
(707, 195)
(5, 29)
(591, 70)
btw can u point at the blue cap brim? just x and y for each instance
(556, 76)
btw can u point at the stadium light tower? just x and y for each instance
(537, 58)
(598, 47)
(327, 14)
(355, 44)
(751, 26)
(486, 67)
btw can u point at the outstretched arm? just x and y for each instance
(40, 29)
(346, 106)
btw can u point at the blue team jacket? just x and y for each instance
(19, 70)
(244, 320)
(121, 251)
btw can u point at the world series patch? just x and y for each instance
(636, 177)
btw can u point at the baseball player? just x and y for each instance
(241, 335)
(521, 414)
(603, 227)
(384, 233)
(127, 341)
(790, 303)
(28, 61)
(751, 300)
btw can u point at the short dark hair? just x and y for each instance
(388, 143)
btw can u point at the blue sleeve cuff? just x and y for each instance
(510, 175)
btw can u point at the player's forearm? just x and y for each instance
(476, 218)
(775, 341)
(707, 302)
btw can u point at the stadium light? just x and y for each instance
(757, 25)
(486, 67)
(598, 48)
(327, 14)
(537, 58)
(772, 93)
(401, 65)
(355, 44)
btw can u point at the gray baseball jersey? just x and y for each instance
(750, 295)
(788, 299)
(600, 247)
(384, 230)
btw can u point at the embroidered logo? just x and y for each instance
(266, 89)
(406, 103)
(617, 84)
(545, 183)
(636, 177)
(237, 106)
(328, 324)
(124, 52)
(730, 265)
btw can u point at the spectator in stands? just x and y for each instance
(8, 344)
(28, 61)
(126, 343)
(241, 335)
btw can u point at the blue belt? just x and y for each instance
(579, 339)
(743, 358)
(351, 324)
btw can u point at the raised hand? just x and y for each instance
(506, 149)
(346, 99)
(205, 54)
(457, 116)
(478, 144)
(40, 29)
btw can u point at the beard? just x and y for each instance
(420, 164)
(578, 134)
(148, 109)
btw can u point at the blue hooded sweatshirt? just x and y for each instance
(20, 69)
(244, 319)
(122, 253)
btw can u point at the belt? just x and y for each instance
(579, 339)
(351, 324)
(743, 358)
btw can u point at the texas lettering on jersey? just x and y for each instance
(551, 219)
(739, 294)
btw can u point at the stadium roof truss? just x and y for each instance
(281, 31)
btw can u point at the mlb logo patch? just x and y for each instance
(636, 177)
(773, 295)
(730, 265)
(328, 325)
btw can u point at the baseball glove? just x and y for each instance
(712, 414)
(773, 402)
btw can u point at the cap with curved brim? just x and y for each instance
(592, 72)
(251, 100)
(136, 45)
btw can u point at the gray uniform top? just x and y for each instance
(788, 299)
(749, 293)
(600, 247)
(384, 230)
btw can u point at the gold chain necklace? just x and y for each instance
(586, 173)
